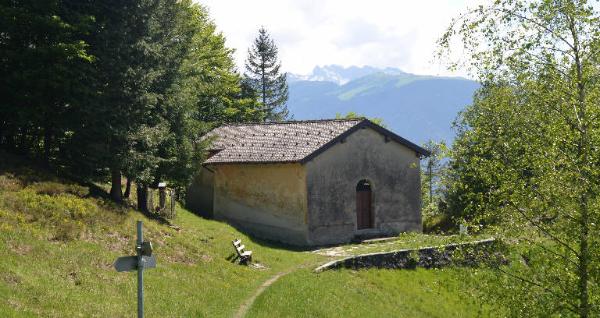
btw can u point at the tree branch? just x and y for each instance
(538, 24)
(571, 307)
(564, 257)
(542, 229)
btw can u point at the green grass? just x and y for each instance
(369, 293)
(59, 239)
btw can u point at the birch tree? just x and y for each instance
(526, 162)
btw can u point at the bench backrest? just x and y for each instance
(239, 248)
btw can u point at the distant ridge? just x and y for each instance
(341, 75)
(418, 107)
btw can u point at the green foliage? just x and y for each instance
(353, 115)
(474, 172)
(433, 169)
(206, 92)
(525, 163)
(439, 223)
(99, 89)
(43, 58)
(51, 208)
(263, 76)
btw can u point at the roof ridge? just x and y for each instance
(289, 141)
(296, 121)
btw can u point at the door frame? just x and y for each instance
(371, 210)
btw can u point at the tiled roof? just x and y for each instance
(291, 141)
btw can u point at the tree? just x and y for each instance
(203, 91)
(138, 47)
(526, 158)
(206, 92)
(262, 72)
(431, 171)
(433, 189)
(111, 88)
(42, 61)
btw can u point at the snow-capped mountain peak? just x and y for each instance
(341, 75)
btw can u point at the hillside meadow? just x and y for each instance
(59, 239)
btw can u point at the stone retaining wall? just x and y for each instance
(461, 254)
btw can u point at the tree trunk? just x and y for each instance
(1, 135)
(115, 189)
(584, 154)
(47, 145)
(264, 85)
(127, 188)
(430, 168)
(584, 261)
(142, 198)
(21, 144)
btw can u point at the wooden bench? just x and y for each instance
(244, 256)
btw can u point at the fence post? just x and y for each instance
(151, 208)
(172, 195)
(162, 195)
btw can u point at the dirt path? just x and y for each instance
(250, 300)
(332, 253)
(248, 303)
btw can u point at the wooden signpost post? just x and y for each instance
(143, 259)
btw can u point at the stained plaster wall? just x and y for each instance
(267, 200)
(199, 196)
(332, 176)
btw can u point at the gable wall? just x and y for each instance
(267, 200)
(332, 176)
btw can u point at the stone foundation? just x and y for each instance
(463, 254)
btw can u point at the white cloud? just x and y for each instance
(378, 33)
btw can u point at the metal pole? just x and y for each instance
(140, 271)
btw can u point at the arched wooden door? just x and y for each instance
(364, 213)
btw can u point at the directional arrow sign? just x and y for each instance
(149, 261)
(126, 263)
(144, 259)
(130, 263)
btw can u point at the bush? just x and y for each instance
(53, 208)
(439, 224)
(55, 188)
(10, 183)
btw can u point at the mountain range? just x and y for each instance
(416, 107)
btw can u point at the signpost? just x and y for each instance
(143, 259)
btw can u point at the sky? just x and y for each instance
(380, 33)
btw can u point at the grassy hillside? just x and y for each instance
(370, 293)
(59, 239)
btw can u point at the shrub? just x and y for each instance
(9, 183)
(56, 188)
(440, 223)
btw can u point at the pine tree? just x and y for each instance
(42, 57)
(105, 89)
(138, 47)
(262, 71)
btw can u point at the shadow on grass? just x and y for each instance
(265, 242)
(28, 173)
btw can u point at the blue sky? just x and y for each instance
(381, 33)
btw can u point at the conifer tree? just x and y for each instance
(105, 89)
(262, 72)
